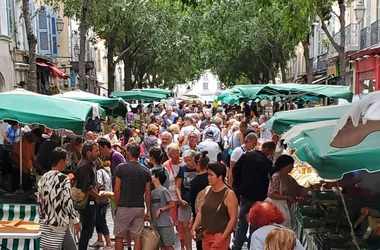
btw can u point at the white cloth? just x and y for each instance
(258, 238)
(236, 154)
(113, 141)
(212, 148)
(265, 133)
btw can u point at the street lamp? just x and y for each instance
(60, 25)
(76, 50)
(359, 10)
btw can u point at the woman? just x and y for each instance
(175, 130)
(11, 134)
(173, 165)
(283, 189)
(218, 214)
(56, 207)
(150, 141)
(75, 147)
(183, 189)
(155, 159)
(138, 118)
(265, 216)
(104, 184)
(280, 239)
(199, 183)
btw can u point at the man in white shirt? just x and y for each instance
(210, 146)
(265, 133)
(111, 137)
(250, 142)
(186, 130)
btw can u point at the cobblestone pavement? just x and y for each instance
(110, 226)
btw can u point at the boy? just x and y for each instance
(161, 205)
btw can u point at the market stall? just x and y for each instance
(139, 95)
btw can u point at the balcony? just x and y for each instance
(365, 38)
(352, 39)
(319, 63)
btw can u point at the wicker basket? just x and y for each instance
(150, 239)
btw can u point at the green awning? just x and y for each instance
(313, 146)
(167, 93)
(139, 95)
(283, 121)
(80, 95)
(53, 112)
(293, 90)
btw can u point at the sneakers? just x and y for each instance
(98, 244)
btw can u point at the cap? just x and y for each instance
(209, 133)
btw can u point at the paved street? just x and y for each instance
(110, 225)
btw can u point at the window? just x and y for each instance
(368, 13)
(43, 32)
(205, 85)
(9, 17)
(378, 10)
(54, 41)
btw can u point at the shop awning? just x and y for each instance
(139, 95)
(54, 70)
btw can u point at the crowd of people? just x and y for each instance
(211, 174)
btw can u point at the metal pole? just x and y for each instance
(62, 137)
(20, 157)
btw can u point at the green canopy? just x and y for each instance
(293, 90)
(313, 146)
(80, 95)
(53, 112)
(168, 93)
(283, 121)
(139, 95)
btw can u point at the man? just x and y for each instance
(207, 118)
(113, 156)
(132, 184)
(251, 177)
(210, 146)
(192, 143)
(265, 133)
(86, 181)
(90, 136)
(250, 143)
(166, 140)
(216, 122)
(111, 137)
(28, 142)
(237, 137)
(219, 112)
(169, 117)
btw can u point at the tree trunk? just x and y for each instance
(128, 84)
(83, 29)
(32, 41)
(342, 52)
(283, 71)
(273, 76)
(110, 63)
(308, 66)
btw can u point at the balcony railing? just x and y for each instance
(365, 38)
(375, 37)
(352, 38)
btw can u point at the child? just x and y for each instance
(161, 205)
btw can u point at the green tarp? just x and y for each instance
(292, 90)
(313, 146)
(53, 112)
(167, 93)
(283, 121)
(80, 95)
(139, 95)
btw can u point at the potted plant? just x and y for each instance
(326, 42)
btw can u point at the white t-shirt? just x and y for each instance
(113, 140)
(265, 132)
(212, 148)
(237, 153)
(172, 178)
(185, 131)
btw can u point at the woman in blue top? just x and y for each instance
(11, 134)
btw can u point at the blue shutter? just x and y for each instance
(43, 32)
(9, 17)
(54, 37)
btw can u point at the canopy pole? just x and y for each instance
(62, 137)
(20, 157)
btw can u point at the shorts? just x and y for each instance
(167, 237)
(129, 219)
(184, 213)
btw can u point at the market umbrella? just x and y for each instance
(167, 93)
(53, 112)
(139, 95)
(362, 119)
(80, 95)
(282, 121)
(313, 146)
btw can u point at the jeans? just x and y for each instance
(88, 221)
(242, 225)
(101, 222)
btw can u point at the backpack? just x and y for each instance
(237, 169)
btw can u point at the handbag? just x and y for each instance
(200, 230)
(150, 239)
(79, 198)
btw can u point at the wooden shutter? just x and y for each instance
(9, 17)
(54, 43)
(43, 32)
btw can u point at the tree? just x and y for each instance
(32, 41)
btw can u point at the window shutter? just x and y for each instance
(9, 17)
(43, 32)
(54, 38)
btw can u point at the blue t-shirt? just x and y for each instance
(187, 175)
(12, 135)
